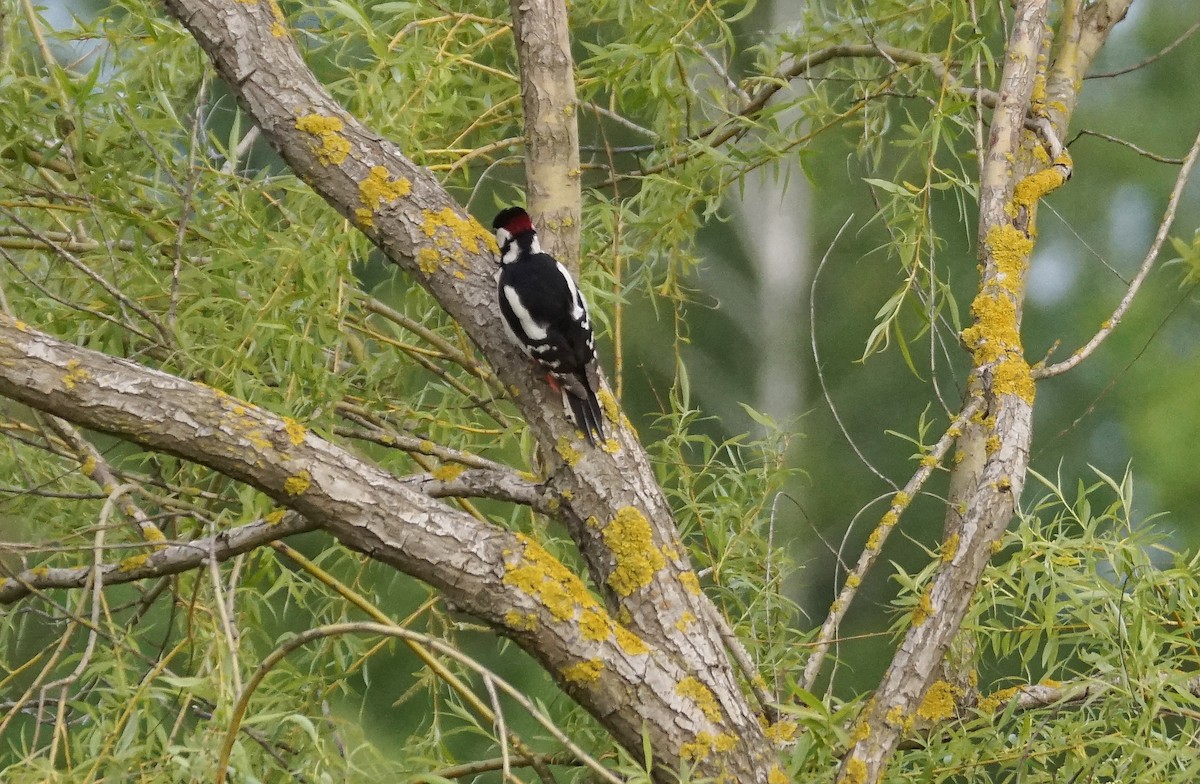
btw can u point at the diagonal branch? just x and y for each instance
(508, 581)
(616, 512)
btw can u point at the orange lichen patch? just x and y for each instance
(75, 374)
(700, 694)
(521, 622)
(297, 483)
(691, 583)
(949, 548)
(923, 610)
(295, 431)
(331, 147)
(447, 471)
(455, 233)
(584, 672)
(938, 704)
(631, 542)
(706, 743)
(997, 699)
(378, 189)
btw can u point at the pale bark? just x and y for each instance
(543, 39)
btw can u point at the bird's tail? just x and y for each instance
(581, 403)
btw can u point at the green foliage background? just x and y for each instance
(239, 277)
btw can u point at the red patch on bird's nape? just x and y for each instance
(519, 223)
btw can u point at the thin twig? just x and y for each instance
(1160, 237)
(1188, 33)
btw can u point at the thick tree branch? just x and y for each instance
(506, 580)
(616, 513)
(1001, 379)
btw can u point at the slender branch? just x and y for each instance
(900, 502)
(168, 559)
(1166, 50)
(1160, 236)
(1144, 153)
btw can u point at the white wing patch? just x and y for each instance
(578, 309)
(529, 325)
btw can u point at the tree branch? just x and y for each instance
(508, 581)
(168, 559)
(542, 36)
(617, 513)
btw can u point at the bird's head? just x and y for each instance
(514, 229)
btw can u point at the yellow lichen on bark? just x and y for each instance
(378, 189)
(949, 548)
(631, 542)
(990, 703)
(521, 622)
(781, 732)
(297, 483)
(452, 232)
(447, 471)
(75, 374)
(776, 775)
(331, 147)
(856, 772)
(923, 610)
(700, 694)
(691, 583)
(706, 743)
(938, 704)
(584, 672)
(295, 431)
(994, 338)
(543, 577)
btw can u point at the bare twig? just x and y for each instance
(1122, 308)
(170, 559)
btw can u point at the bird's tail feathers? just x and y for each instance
(584, 408)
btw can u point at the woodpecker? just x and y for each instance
(546, 317)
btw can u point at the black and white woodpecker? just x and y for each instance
(547, 318)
